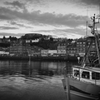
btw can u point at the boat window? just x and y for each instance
(95, 75)
(76, 73)
(85, 75)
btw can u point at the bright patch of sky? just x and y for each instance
(63, 7)
(59, 18)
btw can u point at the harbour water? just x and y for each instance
(35, 80)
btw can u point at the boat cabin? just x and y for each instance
(90, 74)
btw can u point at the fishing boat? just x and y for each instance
(84, 82)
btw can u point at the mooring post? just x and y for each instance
(68, 88)
(66, 84)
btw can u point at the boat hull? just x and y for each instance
(81, 90)
(77, 96)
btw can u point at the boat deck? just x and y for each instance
(96, 69)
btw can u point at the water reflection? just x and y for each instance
(33, 68)
(23, 80)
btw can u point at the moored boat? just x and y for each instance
(84, 83)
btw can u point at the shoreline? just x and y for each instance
(39, 58)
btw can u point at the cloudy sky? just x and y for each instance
(59, 18)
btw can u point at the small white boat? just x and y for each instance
(84, 83)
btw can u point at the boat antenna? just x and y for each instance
(96, 38)
(87, 23)
(99, 10)
(84, 58)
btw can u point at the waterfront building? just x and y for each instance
(80, 45)
(49, 53)
(35, 51)
(91, 41)
(19, 48)
(44, 53)
(23, 49)
(88, 42)
(1, 40)
(52, 52)
(61, 49)
(71, 50)
(4, 53)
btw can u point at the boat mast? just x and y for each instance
(96, 38)
(85, 59)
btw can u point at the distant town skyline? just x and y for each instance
(59, 18)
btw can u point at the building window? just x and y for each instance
(85, 75)
(95, 76)
(93, 46)
(84, 43)
(77, 42)
(76, 73)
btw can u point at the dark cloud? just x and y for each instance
(37, 17)
(7, 28)
(20, 25)
(91, 2)
(15, 4)
(35, 1)
(6, 14)
(5, 17)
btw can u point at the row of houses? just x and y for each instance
(79, 47)
(72, 48)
